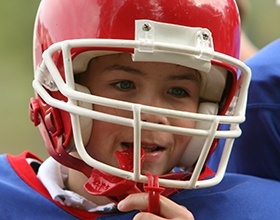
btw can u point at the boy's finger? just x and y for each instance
(168, 208)
(138, 201)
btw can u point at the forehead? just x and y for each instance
(123, 62)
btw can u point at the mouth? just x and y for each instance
(148, 148)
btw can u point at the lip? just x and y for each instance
(153, 156)
(152, 151)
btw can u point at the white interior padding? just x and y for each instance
(213, 84)
(195, 145)
(85, 123)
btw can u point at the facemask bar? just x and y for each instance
(54, 82)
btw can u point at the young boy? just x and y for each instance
(129, 99)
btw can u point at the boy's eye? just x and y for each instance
(124, 85)
(178, 92)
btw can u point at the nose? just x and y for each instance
(154, 100)
(154, 118)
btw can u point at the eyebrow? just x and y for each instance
(125, 69)
(192, 75)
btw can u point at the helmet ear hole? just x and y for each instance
(195, 145)
(85, 123)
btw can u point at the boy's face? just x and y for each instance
(156, 84)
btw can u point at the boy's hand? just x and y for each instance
(168, 208)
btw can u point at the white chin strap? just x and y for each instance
(196, 143)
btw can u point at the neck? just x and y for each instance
(75, 183)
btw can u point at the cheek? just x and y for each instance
(99, 138)
(103, 143)
(183, 123)
(182, 141)
(113, 111)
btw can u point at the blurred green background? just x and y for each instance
(16, 73)
(17, 17)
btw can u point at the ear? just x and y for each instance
(196, 143)
(85, 123)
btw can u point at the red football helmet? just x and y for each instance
(200, 34)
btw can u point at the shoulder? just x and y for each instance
(18, 171)
(13, 167)
(256, 152)
(25, 196)
(265, 66)
(22, 200)
(267, 56)
(236, 197)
